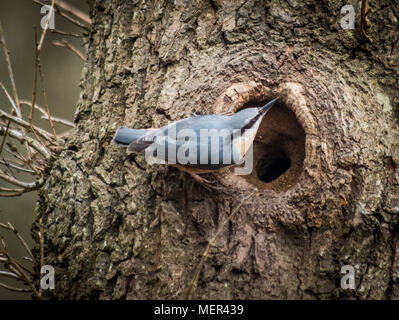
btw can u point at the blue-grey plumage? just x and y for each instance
(229, 140)
(125, 136)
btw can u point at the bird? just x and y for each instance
(214, 141)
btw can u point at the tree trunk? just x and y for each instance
(325, 179)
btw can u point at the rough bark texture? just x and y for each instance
(114, 231)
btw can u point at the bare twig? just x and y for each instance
(45, 102)
(34, 80)
(4, 137)
(14, 155)
(8, 122)
(60, 120)
(19, 268)
(70, 34)
(74, 11)
(25, 161)
(45, 116)
(10, 195)
(44, 134)
(16, 161)
(18, 112)
(9, 274)
(31, 142)
(6, 163)
(41, 242)
(28, 259)
(39, 47)
(64, 15)
(11, 288)
(10, 227)
(28, 186)
(66, 44)
(10, 71)
(10, 189)
(36, 68)
(41, 249)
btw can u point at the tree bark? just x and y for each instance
(325, 178)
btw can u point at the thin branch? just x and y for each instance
(37, 66)
(11, 189)
(28, 259)
(14, 109)
(6, 163)
(65, 16)
(10, 71)
(14, 288)
(44, 134)
(41, 249)
(45, 116)
(10, 227)
(60, 120)
(26, 185)
(4, 137)
(24, 277)
(45, 102)
(66, 44)
(18, 112)
(70, 34)
(14, 155)
(25, 161)
(51, 12)
(31, 142)
(29, 103)
(9, 274)
(41, 242)
(14, 161)
(34, 80)
(74, 11)
(10, 195)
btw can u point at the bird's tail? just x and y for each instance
(125, 136)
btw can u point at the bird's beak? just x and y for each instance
(267, 106)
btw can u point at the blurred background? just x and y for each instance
(62, 69)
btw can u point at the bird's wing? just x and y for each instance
(142, 143)
(166, 148)
(195, 124)
(194, 153)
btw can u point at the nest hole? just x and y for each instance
(278, 149)
(273, 165)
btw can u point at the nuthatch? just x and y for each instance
(169, 144)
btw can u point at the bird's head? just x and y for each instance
(250, 118)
